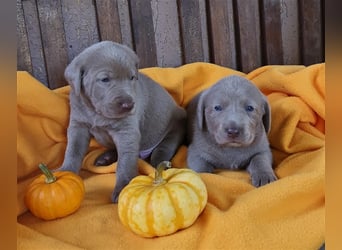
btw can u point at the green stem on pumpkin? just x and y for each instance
(158, 178)
(50, 178)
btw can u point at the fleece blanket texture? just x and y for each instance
(286, 214)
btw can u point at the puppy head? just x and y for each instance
(105, 75)
(234, 112)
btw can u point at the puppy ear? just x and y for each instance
(200, 114)
(266, 118)
(74, 74)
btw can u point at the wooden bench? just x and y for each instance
(240, 34)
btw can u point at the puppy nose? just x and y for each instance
(125, 103)
(232, 132)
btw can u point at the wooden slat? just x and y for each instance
(311, 29)
(35, 42)
(108, 20)
(143, 32)
(249, 34)
(23, 52)
(203, 10)
(222, 33)
(125, 23)
(272, 35)
(191, 31)
(80, 25)
(53, 38)
(242, 35)
(290, 32)
(167, 35)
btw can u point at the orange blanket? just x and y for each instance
(286, 214)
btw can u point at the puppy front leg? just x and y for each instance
(77, 146)
(168, 147)
(197, 163)
(127, 168)
(260, 169)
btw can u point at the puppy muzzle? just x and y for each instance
(233, 136)
(119, 107)
(124, 104)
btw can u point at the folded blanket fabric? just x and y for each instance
(286, 214)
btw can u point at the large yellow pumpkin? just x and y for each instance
(162, 203)
(54, 195)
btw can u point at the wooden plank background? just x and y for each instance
(240, 34)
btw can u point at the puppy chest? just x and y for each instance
(229, 159)
(102, 137)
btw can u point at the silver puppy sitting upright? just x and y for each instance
(124, 110)
(227, 128)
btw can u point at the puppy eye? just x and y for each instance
(249, 108)
(134, 78)
(218, 108)
(105, 79)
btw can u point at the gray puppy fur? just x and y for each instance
(122, 109)
(227, 128)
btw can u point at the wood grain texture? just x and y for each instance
(53, 40)
(311, 30)
(143, 32)
(222, 32)
(80, 25)
(125, 23)
(203, 10)
(35, 40)
(167, 35)
(108, 20)
(240, 34)
(191, 31)
(23, 51)
(290, 32)
(249, 34)
(272, 32)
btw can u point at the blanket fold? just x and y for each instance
(286, 214)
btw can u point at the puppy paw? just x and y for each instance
(199, 165)
(115, 195)
(262, 179)
(106, 158)
(116, 192)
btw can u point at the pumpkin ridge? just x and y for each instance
(127, 195)
(185, 175)
(130, 201)
(46, 208)
(141, 180)
(59, 196)
(179, 212)
(75, 180)
(196, 190)
(123, 212)
(138, 191)
(34, 191)
(193, 201)
(149, 213)
(155, 210)
(175, 172)
(71, 189)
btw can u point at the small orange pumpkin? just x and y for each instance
(162, 203)
(51, 196)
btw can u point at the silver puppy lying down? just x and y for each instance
(124, 110)
(227, 128)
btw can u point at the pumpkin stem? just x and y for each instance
(50, 178)
(158, 178)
